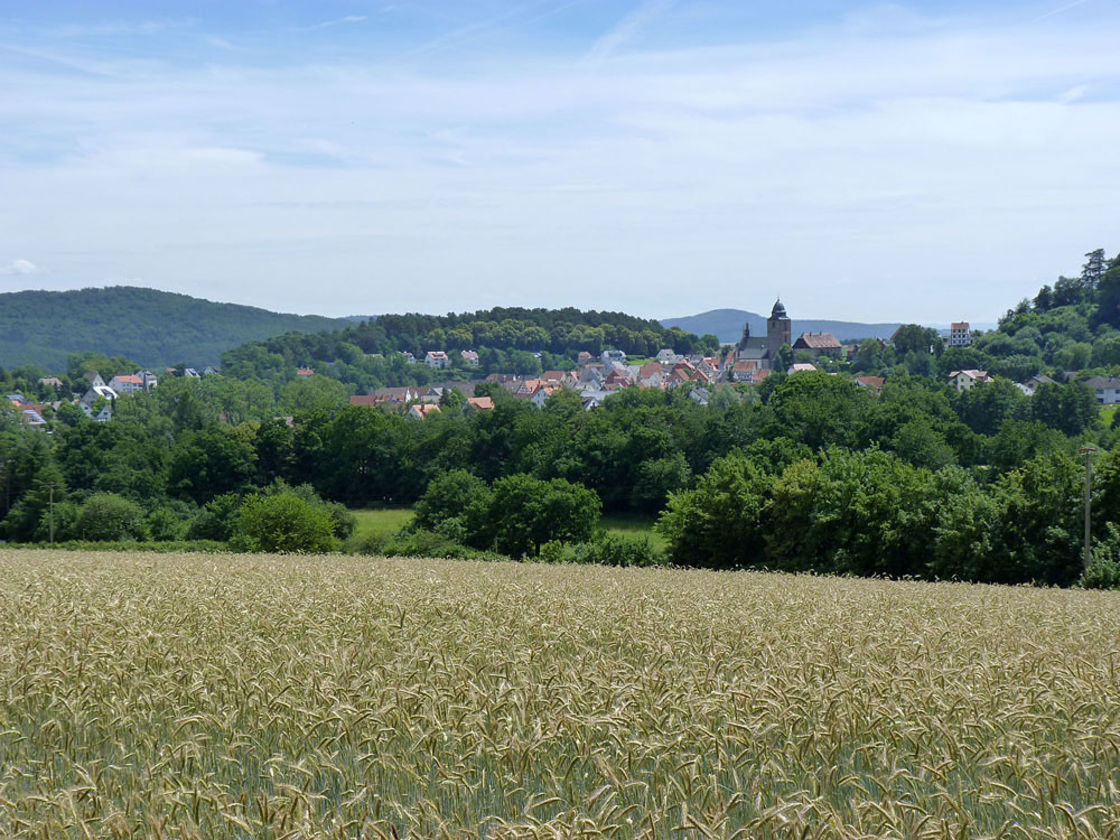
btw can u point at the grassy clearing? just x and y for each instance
(383, 522)
(634, 525)
(237, 696)
(1108, 414)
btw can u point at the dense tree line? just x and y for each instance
(870, 512)
(919, 459)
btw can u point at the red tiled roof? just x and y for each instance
(818, 341)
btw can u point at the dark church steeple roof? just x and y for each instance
(779, 310)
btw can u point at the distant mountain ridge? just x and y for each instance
(148, 326)
(727, 325)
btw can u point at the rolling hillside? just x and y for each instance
(151, 327)
(727, 325)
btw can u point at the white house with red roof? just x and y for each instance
(126, 383)
(436, 359)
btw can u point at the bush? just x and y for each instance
(217, 519)
(283, 522)
(418, 542)
(343, 522)
(1103, 571)
(455, 502)
(606, 550)
(165, 524)
(108, 517)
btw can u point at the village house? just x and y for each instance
(875, 383)
(97, 390)
(1106, 389)
(541, 395)
(583, 358)
(423, 411)
(51, 382)
(608, 356)
(557, 377)
(964, 380)
(126, 384)
(465, 387)
(592, 373)
(102, 416)
(819, 344)
(1031, 385)
(745, 372)
(470, 357)
(32, 416)
(959, 334)
(592, 399)
(668, 357)
(619, 378)
(304, 372)
(801, 367)
(479, 404)
(436, 359)
(651, 375)
(393, 396)
(709, 366)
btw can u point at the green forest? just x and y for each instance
(157, 328)
(806, 472)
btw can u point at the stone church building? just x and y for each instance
(755, 354)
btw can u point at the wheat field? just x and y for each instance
(299, 697)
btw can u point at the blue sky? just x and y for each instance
(925, 161)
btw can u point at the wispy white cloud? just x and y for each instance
(837, 153)
(1064, 8)
(20, 267)
(626, 30)
(326, 24)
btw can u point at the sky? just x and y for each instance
(926, 162)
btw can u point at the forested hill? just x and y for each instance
(506, 339)
(152, 327)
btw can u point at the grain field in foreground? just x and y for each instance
(232, 696)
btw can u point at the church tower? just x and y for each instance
(778, 331)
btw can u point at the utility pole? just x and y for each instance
(1088, 452)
